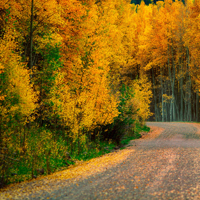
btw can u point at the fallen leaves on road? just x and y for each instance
(58, 179)
(154, 132)
(95, 165)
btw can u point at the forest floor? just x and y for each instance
(163, 164)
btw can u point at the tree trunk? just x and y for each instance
(181, 91)
(197, 106)
(154, 94)
(173, 83)
(31, 40)
(189, 118)
(170, 76)
(162, 95)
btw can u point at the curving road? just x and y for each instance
(166, 167)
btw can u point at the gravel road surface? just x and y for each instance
(166, 167)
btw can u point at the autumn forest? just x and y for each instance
(77, 73)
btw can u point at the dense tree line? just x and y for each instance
(61, 87)
(171, 49)
(81, 71)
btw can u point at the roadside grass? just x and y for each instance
(134, 135)
(20, 172)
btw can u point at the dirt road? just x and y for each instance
(166, 167)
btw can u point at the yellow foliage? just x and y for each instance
(142, 98)
(17, 82)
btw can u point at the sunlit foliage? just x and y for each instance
(68, 69)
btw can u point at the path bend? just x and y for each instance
(166, 167)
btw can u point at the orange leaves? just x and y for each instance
(96, 42)
(86, 58)
(1, 68)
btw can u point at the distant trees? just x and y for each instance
(167, 41)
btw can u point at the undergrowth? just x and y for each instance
(20, 172)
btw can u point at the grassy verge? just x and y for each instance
(135, 135)
(21, 172)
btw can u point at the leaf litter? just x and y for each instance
(81, 170)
